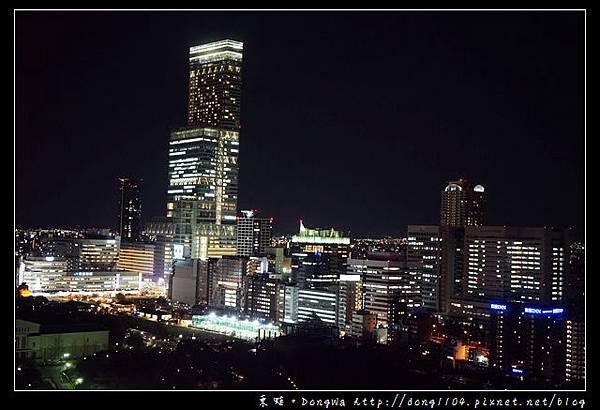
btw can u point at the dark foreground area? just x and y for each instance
(150, 355)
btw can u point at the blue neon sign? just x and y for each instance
(496, 306)
(540, 311)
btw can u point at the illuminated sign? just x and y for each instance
(349, 278)
(49, 258)
(321, 240)
(518, 371)
(496, 306)
(248, 214)
(540, 311)
(177, 251)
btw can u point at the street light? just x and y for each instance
(65, 355)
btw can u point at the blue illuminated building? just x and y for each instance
(529, 341)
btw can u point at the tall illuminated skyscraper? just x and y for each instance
(215, 85)
(462, 204)
(203, 157)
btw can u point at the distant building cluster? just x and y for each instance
(60, 262)
(506, 297)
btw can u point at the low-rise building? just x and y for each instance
(54, 342)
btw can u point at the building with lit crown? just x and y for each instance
(462, 204)
(203, 157)
(215, 85)
(319, 257)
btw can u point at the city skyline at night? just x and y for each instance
(300, 205)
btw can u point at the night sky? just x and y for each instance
(354, 120)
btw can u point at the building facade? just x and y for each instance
(33, 341)
(226, 280)
(189, 282)
(515, 264)
(253, 233)
(88, 254)
(153, 260)
(423, 256)
(215, 85)
(385, 281)
(462, 204)
(203, 157)
(322, 303)
(129, 222)
(318, 257)
(50, 281)
(529, 341)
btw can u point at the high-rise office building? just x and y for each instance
(263, 297)
(225, 280)
(574, 292)
(451, 265)
(350, 298)
(129, 223)
(515, 264)
(385, 280)
(322, 303)
(215, 85)
(529, 340)
(575, 351)
(423, 255)
(202, 195)
(319, 257)
(288, 303)
(203, 157)
(462, 204)
(499, 263)
(575, 279)
(253, 233)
